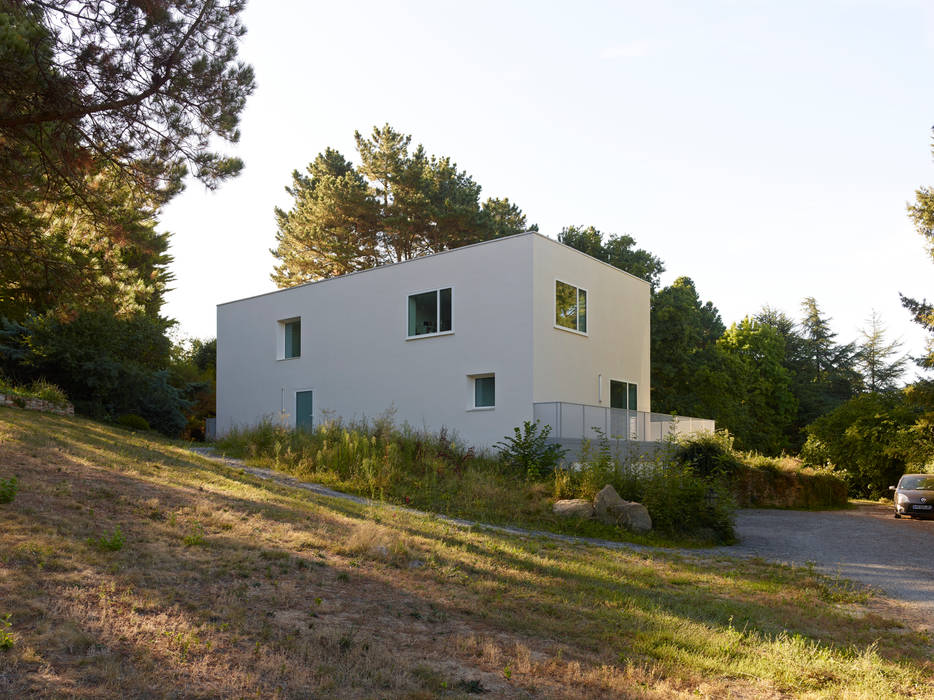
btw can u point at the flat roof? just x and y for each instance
(434, 255)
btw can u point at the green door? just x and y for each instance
(304, 413)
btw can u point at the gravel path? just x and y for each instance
(865, 544)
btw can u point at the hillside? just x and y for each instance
(131, 567)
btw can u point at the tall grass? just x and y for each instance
(435, 472)
(681, 501)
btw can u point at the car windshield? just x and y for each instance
(917, 483)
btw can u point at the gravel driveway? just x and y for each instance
(864, 544)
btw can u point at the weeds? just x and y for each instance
(109, 543)
(8, 489)
(195, 536)
(529, 452)
(6, 636)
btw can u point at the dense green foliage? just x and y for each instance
(399, 203)
(680, 501)
(756, 481)
(616, 250)
(193, 369)
(104, 108)
(529, 451)
(873, 439)
(107, 366)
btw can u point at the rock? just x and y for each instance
(603, 500)
(573, 508)
(632, 516)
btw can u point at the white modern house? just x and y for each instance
(476, 339)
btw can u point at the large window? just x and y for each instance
(570, 307)
(624, 395)
(430, 313)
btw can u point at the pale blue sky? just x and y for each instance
(765, 149)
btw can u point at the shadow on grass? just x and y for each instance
(612, 605)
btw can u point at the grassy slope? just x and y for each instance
(229, 586)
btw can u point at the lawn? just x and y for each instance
(131, 567)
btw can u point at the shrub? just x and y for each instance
(110, 366)
(680, 501)
(528, 450)
(42, 389)
(709, 455)
(133, 422)
(8, 489)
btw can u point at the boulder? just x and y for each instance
(573, 508)
(632, 516)
(602, 502)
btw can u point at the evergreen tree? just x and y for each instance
(618, 251)
(921, 213)
(399, 203)
(827, 375)
(332, 228)
(686, 371)
(67, 261)
(880, 372)
(759, 405)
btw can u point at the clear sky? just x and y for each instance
(766, 149)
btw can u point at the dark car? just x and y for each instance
(914, 496)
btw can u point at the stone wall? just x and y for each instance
(31, 404)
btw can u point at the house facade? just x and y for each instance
(476, 339)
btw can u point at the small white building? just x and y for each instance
(476, 339)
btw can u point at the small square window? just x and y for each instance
(484, 392)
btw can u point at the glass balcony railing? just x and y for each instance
(576, 421)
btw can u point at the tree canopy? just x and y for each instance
(617, 250)
(921, 213)
(104, 108)
(397, 204)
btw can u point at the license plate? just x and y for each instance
(922, 507)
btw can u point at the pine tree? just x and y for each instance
(399, 203)
(880, 372)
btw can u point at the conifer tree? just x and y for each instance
(874, 357)
(399, 203)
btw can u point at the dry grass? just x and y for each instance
(227, 586)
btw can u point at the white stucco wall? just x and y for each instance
(356, 358)
(567, 365)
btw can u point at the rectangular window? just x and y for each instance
(570, 307)
(617, 394)
(293, 339)
(431, 313)
(624, 395)
(484, 392)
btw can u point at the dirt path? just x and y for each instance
(865, 544)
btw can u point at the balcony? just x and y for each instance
(575, 421)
